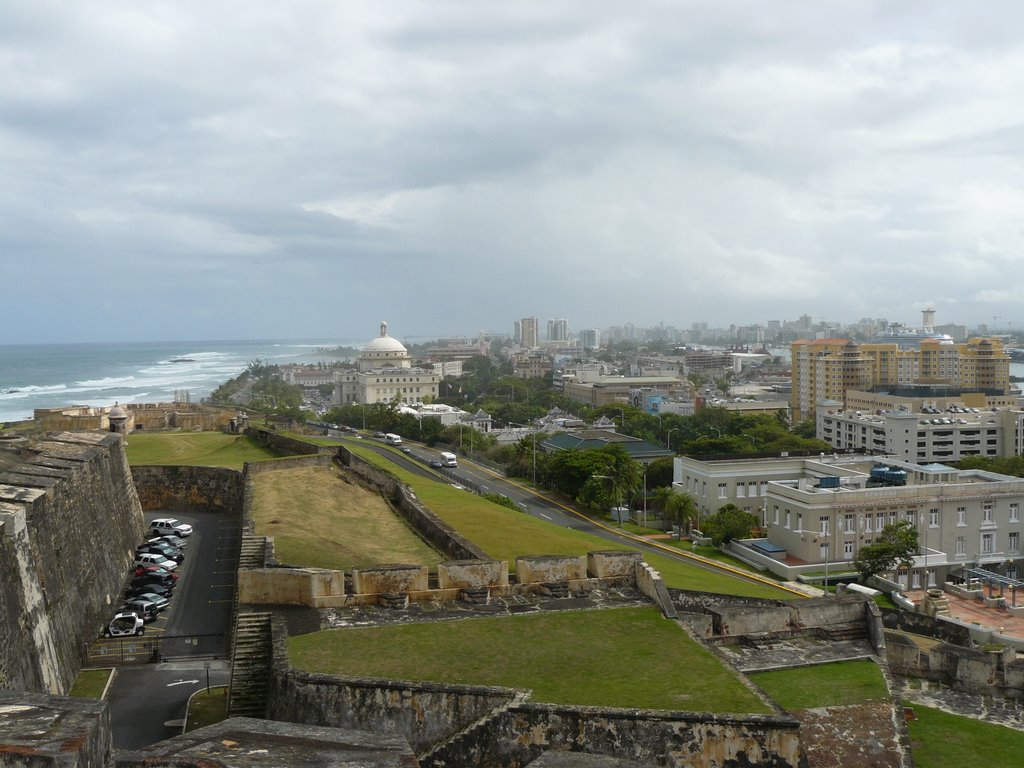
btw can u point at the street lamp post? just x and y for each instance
(668, 438)
(622, 418)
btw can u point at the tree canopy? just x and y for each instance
(728, 523)
(897, 543)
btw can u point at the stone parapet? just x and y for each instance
(612, 563)
(316, 587)
(381, 579)
(471, 574)
(548, 569)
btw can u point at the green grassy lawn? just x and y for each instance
(205, 449)
(505, 534)
(90, 683)
(620, 657)
(207, 708)
(942, 740)
(320, 521)
(824, 685)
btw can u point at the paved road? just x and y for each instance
(144, 698)
(537, 504)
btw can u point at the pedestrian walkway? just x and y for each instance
(971, 611)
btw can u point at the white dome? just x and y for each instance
(385, 343)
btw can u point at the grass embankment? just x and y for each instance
(90, 683)
(824, 685)
(625, 657)
(941, 740)
(207, 708)
(203, 449)
(318, 520)
(505, 534)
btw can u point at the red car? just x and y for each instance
(142, 570)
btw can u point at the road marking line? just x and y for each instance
(212, 602)
(543, 515)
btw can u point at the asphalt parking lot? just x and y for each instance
(148, 701)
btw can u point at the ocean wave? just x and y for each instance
(21, 393)
(107, 383)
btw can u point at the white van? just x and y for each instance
(449, 459)
(392, 439)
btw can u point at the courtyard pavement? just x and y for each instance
(972, 611)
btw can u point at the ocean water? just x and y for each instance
(54, 375)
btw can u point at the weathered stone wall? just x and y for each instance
(649, 582)
(965, 669)
(519, 735)
(545, 569)
(287, 446)
(431, 527)
(795, 616)
(423, 713)
(189, 489)
(929, 626)
(71, 521)
(612, 563)
(696, 602)
(470, 574)
(381, 579)
(38, 731)
(296, 462)
(314, 587)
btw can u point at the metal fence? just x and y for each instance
(145, 649)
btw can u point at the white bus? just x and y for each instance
(392, 439)
(449, 459)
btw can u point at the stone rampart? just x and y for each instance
(287, 446)
(472, 574)
(697, 602)
(649, 582)
(520, 734)
(548, 569)
(510, 733)
(423, 713)
(965, 669)
(189, 489)
(432, 528)
(384, 579)
(788, 618)
(929, 626)
(293, 462)
(314, 587)
(71, 520)
(612, 564)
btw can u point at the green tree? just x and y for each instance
(660, 472)
(897, 543)
(728, 523)
(676, 508)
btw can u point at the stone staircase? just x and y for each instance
(853, 631)
(436, 756)
(253, 553)
(250, 666)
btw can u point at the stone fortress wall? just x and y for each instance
(82, 482)
(69, 522)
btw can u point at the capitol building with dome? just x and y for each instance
(383, 372)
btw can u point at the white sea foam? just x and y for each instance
(107, 383)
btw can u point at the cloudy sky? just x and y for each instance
(212, 170)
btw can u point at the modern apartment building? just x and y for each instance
(818, 511)
(935, 435)
(558, 329)
(529, 333)
(826, 369)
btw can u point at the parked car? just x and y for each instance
(162, 525)
(144, 609)
(161, 548)
(124, 624)
(149, 589)
(151, 558)
(159, 601)
(151, 578)
(174, 540)
(142, 570)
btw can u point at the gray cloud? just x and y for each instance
(455, 166)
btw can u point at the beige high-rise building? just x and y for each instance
(529, 331)
(825, 369)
